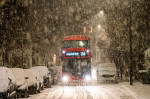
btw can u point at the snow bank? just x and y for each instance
(32, 78)
(5, 73)
(142, 71)
(19, 75)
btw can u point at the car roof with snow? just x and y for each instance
(32, 78)
(43, 70)
(19, 75)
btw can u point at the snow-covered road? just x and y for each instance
(104, 91)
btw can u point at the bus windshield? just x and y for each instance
(75, 44)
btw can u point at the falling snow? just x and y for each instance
(32, 32)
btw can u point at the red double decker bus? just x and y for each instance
(76, 56)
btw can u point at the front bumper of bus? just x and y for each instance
(68, 79)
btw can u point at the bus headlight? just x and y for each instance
(65, 79)
(88, 51)
(63, 51)
(87, 77)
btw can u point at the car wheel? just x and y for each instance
(42, 88)
(5, 96)
(18, 95)
(35, 89)
(53, 82)
(8, 94)
(26, 94)
(15, 97)
(50, 85)
(39, 88)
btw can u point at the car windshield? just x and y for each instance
(75, 44)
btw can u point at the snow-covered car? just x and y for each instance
(40, 81)
(7, 84)
(21, 82)
(43, 70)
(33, 83)
(107, 72)
(54, 76)
(59, 73)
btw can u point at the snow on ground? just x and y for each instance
(142, 91)
(101, 91)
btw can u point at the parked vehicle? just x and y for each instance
(7, 84)
(54, 76)
(21, 82)
(40, 81)
(43, 70)
(33, 84)
(59, 73)
(107, 72)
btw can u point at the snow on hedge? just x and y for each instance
(19, 75)
(147, 52)
(43, 70)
